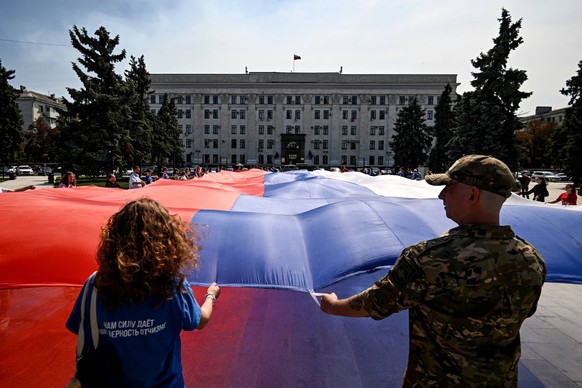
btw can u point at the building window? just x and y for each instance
(261, 114)
(214, 143)
(153, 99)
(326, 100)
(353, 145)
(316, 114)
(289, 100)
(188, 129)
(180, 100)
(233, 130)
(345, 100)
(344, 130)
(188, 100)
(270, 100)
(188, 113)
(345, 114)
(373, 131)
(180, 113)
(297, 129)
(429, 114)
(344, 160)
(354, 115)
(372, 144)
(206, 114)
(207, 99)
(344, 144)
(270, 129)
(289, 129)
(153, 111)
(297, 115)
(381, 131)
(261, 145)
(430, 100)
(180, 127)
(324, 144)
(270, 144)
(233, 143)
(325, 130)
(401, 100)
(242, 114)
(215, 114)
(188, 143)
(243, 129)
(317, 100)
(380, 145)
(261, 129)
(243, 100)
(233, 100)
(373, 114)
(233, 114)
(353, 130)
(371, 160)
(298, 100)
(380, 160)
(373, 100)
(316, 131)
(243, 143)
(354, 100)
(215, 129)
(382, 114)
(269, 114)
(382, 100)
(215, 100)
(326, 114)
(289, 114)
(261, 100)
(161, 99)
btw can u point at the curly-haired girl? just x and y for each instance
(143, 300)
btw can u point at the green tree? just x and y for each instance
(489, 112)
(412, 139)
(438, 160)
(167, 147)
(11, 133)
(95, 132)
(567, 140)
(141, 120)
(536, 144)
(41, 141)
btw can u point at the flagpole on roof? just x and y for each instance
(295, 57)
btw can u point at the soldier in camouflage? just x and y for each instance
(467, 291)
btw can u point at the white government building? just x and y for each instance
(312, 119)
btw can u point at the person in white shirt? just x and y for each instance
(135, 181)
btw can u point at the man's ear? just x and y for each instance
(474, 196)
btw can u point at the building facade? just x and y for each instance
(33, 105)
(545, 114)
(318, 119)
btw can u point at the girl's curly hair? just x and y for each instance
(143, 253)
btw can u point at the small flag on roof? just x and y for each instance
(296, 57)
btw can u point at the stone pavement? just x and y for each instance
(551, 339)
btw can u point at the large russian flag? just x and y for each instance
(266, 236)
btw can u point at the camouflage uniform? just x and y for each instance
(467, 293)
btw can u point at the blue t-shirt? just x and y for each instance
(142, 340)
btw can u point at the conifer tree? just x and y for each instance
(166, 147)
(412, 139)
(438, 160)
(11, 121)
(567, 140)
(94, 128)
(489, 112)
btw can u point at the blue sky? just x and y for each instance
(362, 36)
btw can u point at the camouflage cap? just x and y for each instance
(484, 172)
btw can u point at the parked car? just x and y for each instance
(550, 176)
(564, 177)
(45, 171)
(24, 170)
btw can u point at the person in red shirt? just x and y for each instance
(568, 198)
